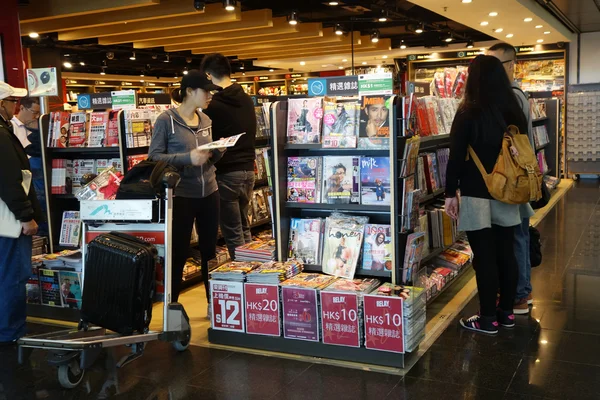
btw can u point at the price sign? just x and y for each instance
(262, 309)
(300, 319)
(376, 84)
(339, 315)
(343, 142)
(227, 300)
(384, 323)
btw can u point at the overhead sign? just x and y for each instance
(123, 99)
(333, 86)
(376, 84)
(419, 89)
(94, 101)
(144, 99)
(42, 82)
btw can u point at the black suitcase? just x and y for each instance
(119, 283)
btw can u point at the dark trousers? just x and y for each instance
(495, 267)
(15, 270)
(206, 213)
(37, 173)
(235, 189)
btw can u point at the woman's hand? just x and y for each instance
(199, 157)
(451, 206)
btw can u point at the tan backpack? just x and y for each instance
(516, 178)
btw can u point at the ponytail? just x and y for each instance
(177, 96)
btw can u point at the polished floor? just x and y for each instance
(554, 353)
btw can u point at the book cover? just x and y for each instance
(304, 120)
(132, 161)
(377, 248)
(374, 129)
(303, 176)
(77, 130)
(375, 180)
(70, 230)
(340, 124)
(261, 125)
(305, 240)
(342, 242)
(70, 289)
(112, 131)
(260, 173)
(259, 203)
(341, 180)
(98, 127)
(50, 288)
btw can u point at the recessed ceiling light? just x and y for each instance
(384, 57)
(271, 70)
(67, 64)
(81, 63)
(484, 23)
(547, 33)
(466, 1)
(141, 80)
(510, 35)
(333, 3)
(141, 75)
(324, 65)
(364, 63)
(528, 19)
(493, 14)
(345, 60)
(539, 26)
(229, 5)
(185, 71)
(498, 30)
(340, 67)
(67, 55)
(102, 73)
(403, 46)
(418, 30)
(540, 41)
(302, 63)
(34, 35)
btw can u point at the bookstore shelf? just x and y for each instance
(260, 223)
(79, 151)
(436, 252)
(432, 196)
(359, 271)
(433, 142)
(463, 271)
(316, 148)
(339, 207)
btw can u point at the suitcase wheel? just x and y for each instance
(70, 375)
(182, 345)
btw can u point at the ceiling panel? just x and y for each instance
(43, 10)
(583, 13)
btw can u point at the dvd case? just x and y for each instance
(341, 180)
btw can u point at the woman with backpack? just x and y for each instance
(177, 135)
(487, 110)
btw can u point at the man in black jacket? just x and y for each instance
(15, 254)
(232, 112)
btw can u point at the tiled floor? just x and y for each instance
(554, 353)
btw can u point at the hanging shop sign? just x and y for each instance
(42, 82)
(376, 84)
(144, 99)
(227, 300)
(262, 309)
(419, 89)
(333, 86)
(123, 100)
(94, 101)
(339, 319)
(384, 323)
(300, 318)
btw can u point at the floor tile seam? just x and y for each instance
(564, 361)
(454, 384)
(513, 377)
(570, 331)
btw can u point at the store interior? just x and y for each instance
(415, 52)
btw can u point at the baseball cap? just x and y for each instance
(7, 91)
(197, 80)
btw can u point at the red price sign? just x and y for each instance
(227, 302)
(262, 309)
(339, 313)
(384, 323)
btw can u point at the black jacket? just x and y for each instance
(484, 134)
(12, 162)
(232, 112)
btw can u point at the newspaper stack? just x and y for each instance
(275, 272)
(309, 281)
(233, 271)
(256, 251)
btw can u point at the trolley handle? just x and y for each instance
(171, 180)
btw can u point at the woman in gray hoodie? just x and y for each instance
(177, 134)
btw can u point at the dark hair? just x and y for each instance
(28, 102)
(505, 48)
(489, 95)
(217, 65)
(194, 79)
(340, 165)
(177, 95)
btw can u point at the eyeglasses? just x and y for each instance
(11, 100)
(507, 61)
(32, 112)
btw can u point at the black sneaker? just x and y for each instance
(506, 318)
(478, 323)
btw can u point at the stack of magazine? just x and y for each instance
(274, 272)
(309, 280)
(233, 271)
(256, 251)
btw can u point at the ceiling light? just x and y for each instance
(384, 57)
(340, 67)
(324, 65)
(293, 18)
(375, 36)
(229, 5)
(364, 63)
(537, 360)
(510, 35)
(498, 30)
(470, 44)
(345, 60)
(528, 19)
(102, 73)
(466, 1)
(540, 41)
(200, 6)
(141, 74)
(449, 38)
(333, 3)
(420, 28)
(271, 70)
(402, 46)
(242, 67)
(383, 17)
(167, 59)
(484, 23)
(243, 73)
(539, 26)
(132, 58)
(185, 71)
(493, 14)
(547, 33)
(141, 80)
(302, 62)
(67, 64)
(34, 35)
(81, 63)
(338, 30)
(544, 341)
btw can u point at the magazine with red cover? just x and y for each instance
(77, 130)
(112, 133)
(98, 127)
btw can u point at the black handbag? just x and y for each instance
(535, 247)
(544, 200)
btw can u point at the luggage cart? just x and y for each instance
(74, 351)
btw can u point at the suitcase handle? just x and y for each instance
(128, 237)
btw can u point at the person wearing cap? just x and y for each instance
(15, 254)
(177, 135)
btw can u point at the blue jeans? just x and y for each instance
(523, 260)
(15, 270)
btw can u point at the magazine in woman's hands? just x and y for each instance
(222, 143)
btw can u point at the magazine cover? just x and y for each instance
(303, 179)
(377, 249)
(341, 180)
(375, 180)
(340, 124)
(305, 240)
(103, 187)
(70, 230)
(374, 129)
(77, 130)
(261, 172)
(60, 130)
(261, 210)
(412, 255)
(261, 125)
(32, 287)
(70, 289)
(112, 131)
(98, 126)
(342, 241)
(50, 288)
(304, 120)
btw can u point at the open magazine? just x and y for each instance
(222, 143)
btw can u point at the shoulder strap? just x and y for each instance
(478, 163)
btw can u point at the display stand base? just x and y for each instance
(304, 348)
(54, 313)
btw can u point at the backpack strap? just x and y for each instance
(478, 163)
(157, 175)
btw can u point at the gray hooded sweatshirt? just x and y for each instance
(173, 140)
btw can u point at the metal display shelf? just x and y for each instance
(318, 149)
(359, 271)
(339, 207)
(55, 313)
(431, 196)
(86, 150)
(433, 142)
